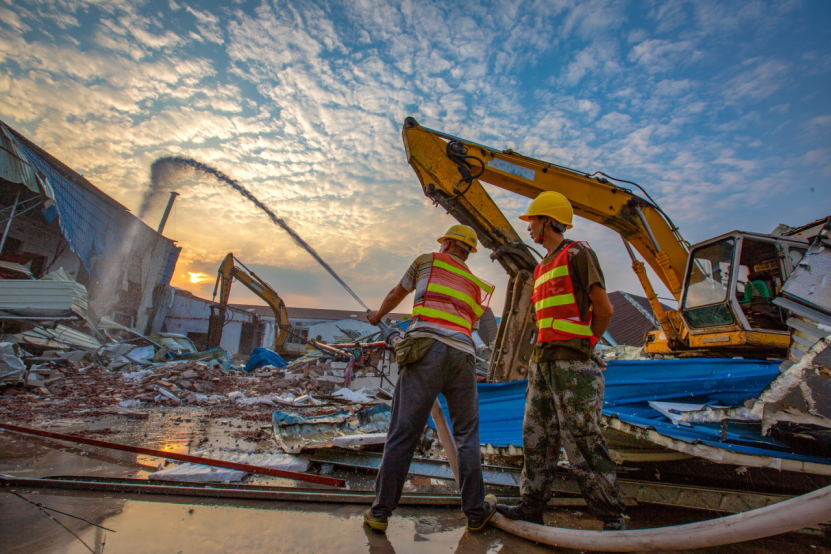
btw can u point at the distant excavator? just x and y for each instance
(231, 269)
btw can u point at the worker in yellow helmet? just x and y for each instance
(565, 386)
(436, 356)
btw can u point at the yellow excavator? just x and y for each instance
(724, 286)
(231, 269)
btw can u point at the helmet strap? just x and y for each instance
(545, 221)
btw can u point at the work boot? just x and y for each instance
(524, 511)
(376, 522)
(475, 525)
(618, 524)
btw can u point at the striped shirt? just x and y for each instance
(416, 279)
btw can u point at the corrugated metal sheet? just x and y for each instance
(629, 386)
(170, 264)
(22, 269)
(61, 337)
(14, 166)
(43, 298)
(809, 283)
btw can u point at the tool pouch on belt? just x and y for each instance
(410, 350)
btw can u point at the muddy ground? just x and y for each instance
(165, 524)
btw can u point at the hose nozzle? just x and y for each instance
(388, 334)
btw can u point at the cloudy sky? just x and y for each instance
(720, 109)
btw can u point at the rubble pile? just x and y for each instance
(184, 382)
(70, 383)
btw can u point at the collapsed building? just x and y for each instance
(55, 218)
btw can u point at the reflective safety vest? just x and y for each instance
(558, 317)
(455, 298)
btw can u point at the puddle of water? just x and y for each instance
(205, 526)
(150, 527)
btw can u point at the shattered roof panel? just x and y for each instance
(13, 165)
(93, 223)
(43, 298)
(295, 432)
(61, 337)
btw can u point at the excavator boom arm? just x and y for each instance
(640, 222)
(451, 171)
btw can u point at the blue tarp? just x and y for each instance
(630, 385)
(263, 356)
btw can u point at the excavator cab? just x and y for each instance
(729, 287)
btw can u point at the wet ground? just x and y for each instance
(169, 524)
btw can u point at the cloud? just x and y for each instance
(668, 15)
(303, 102)
(615, 121)
(208, 25)
(760, 80)
(659, 55)
(13, 20)
(820, 121)
(670, 87)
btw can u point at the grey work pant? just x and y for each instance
(563, 406)
(443, 370)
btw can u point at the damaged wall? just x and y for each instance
(189, 315)
(32, 236)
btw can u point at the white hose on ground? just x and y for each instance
(790, 515)
(446, 438)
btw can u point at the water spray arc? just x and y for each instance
(161, 175)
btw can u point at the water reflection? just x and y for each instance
(378, 542)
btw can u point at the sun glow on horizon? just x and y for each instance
(198, 277)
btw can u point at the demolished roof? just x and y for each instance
(631, 320)
(94, 224)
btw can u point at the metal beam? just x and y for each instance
(218, 490)
(421, 467)
(9, 222)
(181, 457)
(643, 492)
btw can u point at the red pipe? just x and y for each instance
(182, 457)
(327, 348)
(361, 345)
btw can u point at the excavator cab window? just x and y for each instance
(299, 335)
(759, 280)
(706, 300)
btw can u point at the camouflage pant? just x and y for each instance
(562, 407)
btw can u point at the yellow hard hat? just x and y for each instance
(461, 233)
(551, 204)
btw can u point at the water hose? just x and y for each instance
(783, 517)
